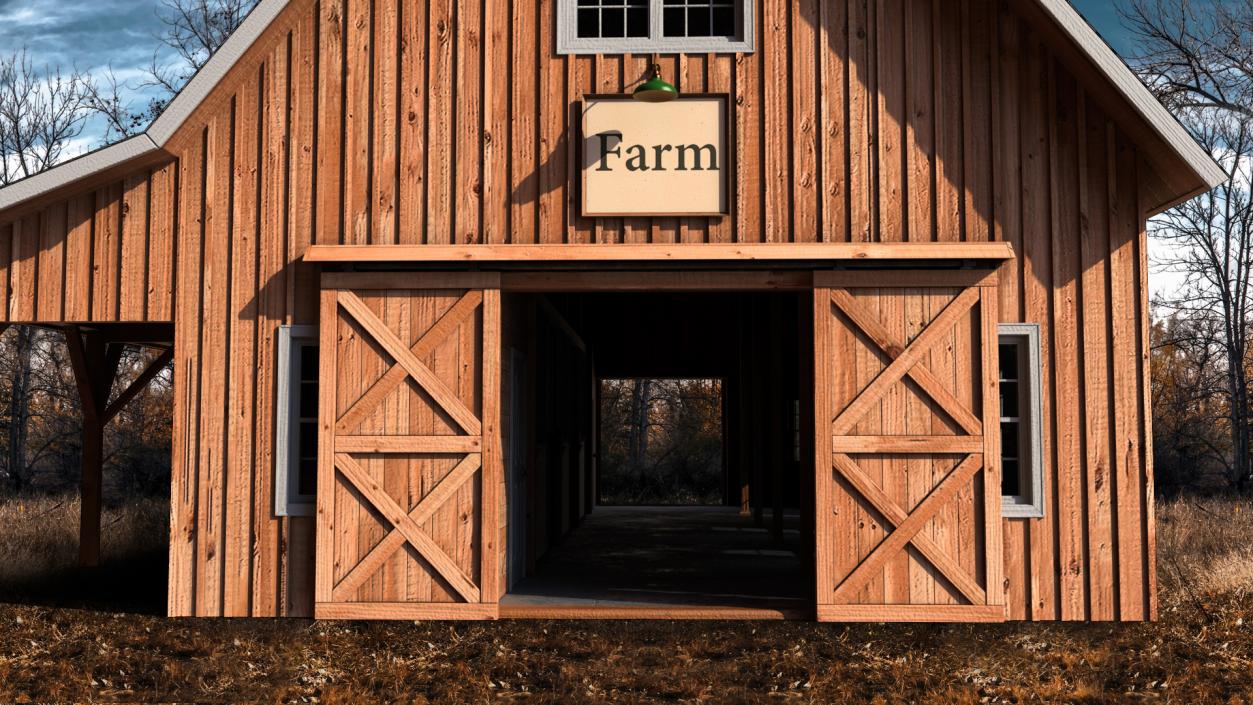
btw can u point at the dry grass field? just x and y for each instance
(66, 636)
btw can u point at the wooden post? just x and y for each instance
(95, 364)
(758, 435)
(743, 458)
(91, 493)
(779, 418)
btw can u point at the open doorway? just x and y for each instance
(654, 454)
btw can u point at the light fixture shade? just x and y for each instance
(655, 89)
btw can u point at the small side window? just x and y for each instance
(296, 429)
(1022, 464)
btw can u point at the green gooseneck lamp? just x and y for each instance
(655, 89)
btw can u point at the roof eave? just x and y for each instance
(1200, 162)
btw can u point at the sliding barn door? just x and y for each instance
(410, 502)
(908, 461)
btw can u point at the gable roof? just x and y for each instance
(154, 139)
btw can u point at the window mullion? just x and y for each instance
(655, 9)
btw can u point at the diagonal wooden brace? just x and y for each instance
(908, 524)
(905, 361)
(445, 566)
(391, 543)
(449, 322)
(893, 347)
(443, 396)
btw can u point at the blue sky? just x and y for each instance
(90, 35)
(1103, 15)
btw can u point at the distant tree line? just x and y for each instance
(661, 442)
(1198, 59)
(41, 421)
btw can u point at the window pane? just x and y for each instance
(724, 21)
(1009, 361)
(589, 24)
(698, 22)
(613, 22)
(308, 404)
(308, 440)
(1009, 401)
(1011, 479)
(674, 26)
(307, 482)
(1009, 440)
(308, 362)
(637, 22)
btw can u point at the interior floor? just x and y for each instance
(673, 557)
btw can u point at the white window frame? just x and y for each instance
(1030, 399)
(287, 501)
(569, 42)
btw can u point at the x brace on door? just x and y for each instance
(905, 361)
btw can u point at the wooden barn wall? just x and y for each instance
(103, 255)
(891, 120)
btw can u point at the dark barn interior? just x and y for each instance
(566, 549)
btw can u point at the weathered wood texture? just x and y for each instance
(908, 475)
(105, 254)
(918, 120)
(408, 466)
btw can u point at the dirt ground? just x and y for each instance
(61, 641)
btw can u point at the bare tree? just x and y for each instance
(193, 31)
(1209, 243)
(40, 115)
(1199, 61)
(1195, 55)
(106, 96)
(1191, 421)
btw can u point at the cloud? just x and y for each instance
(86, 35)
(92, 36)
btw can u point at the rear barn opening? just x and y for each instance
(653, 447)
(661, 443)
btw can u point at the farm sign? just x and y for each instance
(654, 159)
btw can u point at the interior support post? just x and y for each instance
(95, 364)
(743, 458)
(780, 417)
(757, 427)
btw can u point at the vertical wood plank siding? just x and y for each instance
(904, 120)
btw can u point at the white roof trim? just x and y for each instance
(1129, 85)
(75, 169)
(208, 77)
(166, 124)
(203, 83)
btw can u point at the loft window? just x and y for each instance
(296, 432)
(1022, 464)
(644, 26)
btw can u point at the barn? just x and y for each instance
(395, 248)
